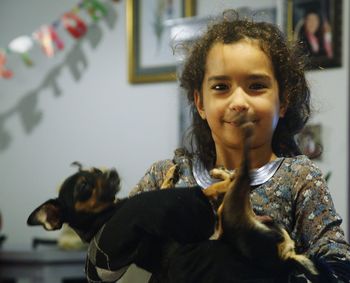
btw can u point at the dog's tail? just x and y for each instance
(236, 203)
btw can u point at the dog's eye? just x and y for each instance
(84, 191)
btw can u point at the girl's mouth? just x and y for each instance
(239, 124)
(239, 119)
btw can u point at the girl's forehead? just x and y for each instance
(244, 55)
(238, 47)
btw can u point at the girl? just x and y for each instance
(239, 66)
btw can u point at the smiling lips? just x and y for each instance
(238, 124)
(240, 119)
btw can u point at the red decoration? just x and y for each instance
(4, 73)
(78, 28)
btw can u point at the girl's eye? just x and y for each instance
(257, 86)
(220, 87)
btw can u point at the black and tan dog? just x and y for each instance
(128, 230)
(87, 203)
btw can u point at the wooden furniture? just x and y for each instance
(42, 266)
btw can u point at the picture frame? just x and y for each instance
(150, 57)
(310, 141)
(271, 11)
(317, 25)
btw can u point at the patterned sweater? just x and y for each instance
(296, 196)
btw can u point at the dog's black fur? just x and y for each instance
(135, 229)
(154, 219)
(86, 185)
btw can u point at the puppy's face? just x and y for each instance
(87, 192)
(90, 191)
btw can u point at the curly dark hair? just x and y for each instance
(288, 64)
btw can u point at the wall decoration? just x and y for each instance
(151, 57)
(47, 35)
(317, 24)
(74, 60)
(310, 141)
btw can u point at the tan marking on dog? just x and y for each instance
(218, 227)
(213, 192)
(221, 187)
(42, 218)
(219, 173)
(286, 250)
(91, 205)
(169, 178)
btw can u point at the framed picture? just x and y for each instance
(150, 54)
(310, 141)
(262, 10)
(317, 24)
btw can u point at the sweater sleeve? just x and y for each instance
(153, 178)
(317, 227)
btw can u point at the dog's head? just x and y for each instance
(83, 195)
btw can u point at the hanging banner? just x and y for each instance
(22, 45)
(95, 9)
(74, 25)
(4, 73)
(47, 37)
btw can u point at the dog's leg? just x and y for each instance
(222, 174)
(169, 180)
(286, 251)
(218, 228)
(213, 193)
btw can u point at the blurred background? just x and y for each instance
(90, 102)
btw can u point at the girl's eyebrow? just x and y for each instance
(249, 76)
(219, 78)
(259, 77)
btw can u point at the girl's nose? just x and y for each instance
(238, 100)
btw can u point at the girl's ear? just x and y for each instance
(283, 108)
(199, 104)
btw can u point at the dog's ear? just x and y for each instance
(49, 215)
(78, 164)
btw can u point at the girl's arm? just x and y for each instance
(153, 178)
(317, 226)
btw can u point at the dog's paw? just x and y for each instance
(170, 178)
(222, 174)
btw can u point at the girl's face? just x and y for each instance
(239, 77)
(312, 22)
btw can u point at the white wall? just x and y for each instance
(102, 120)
